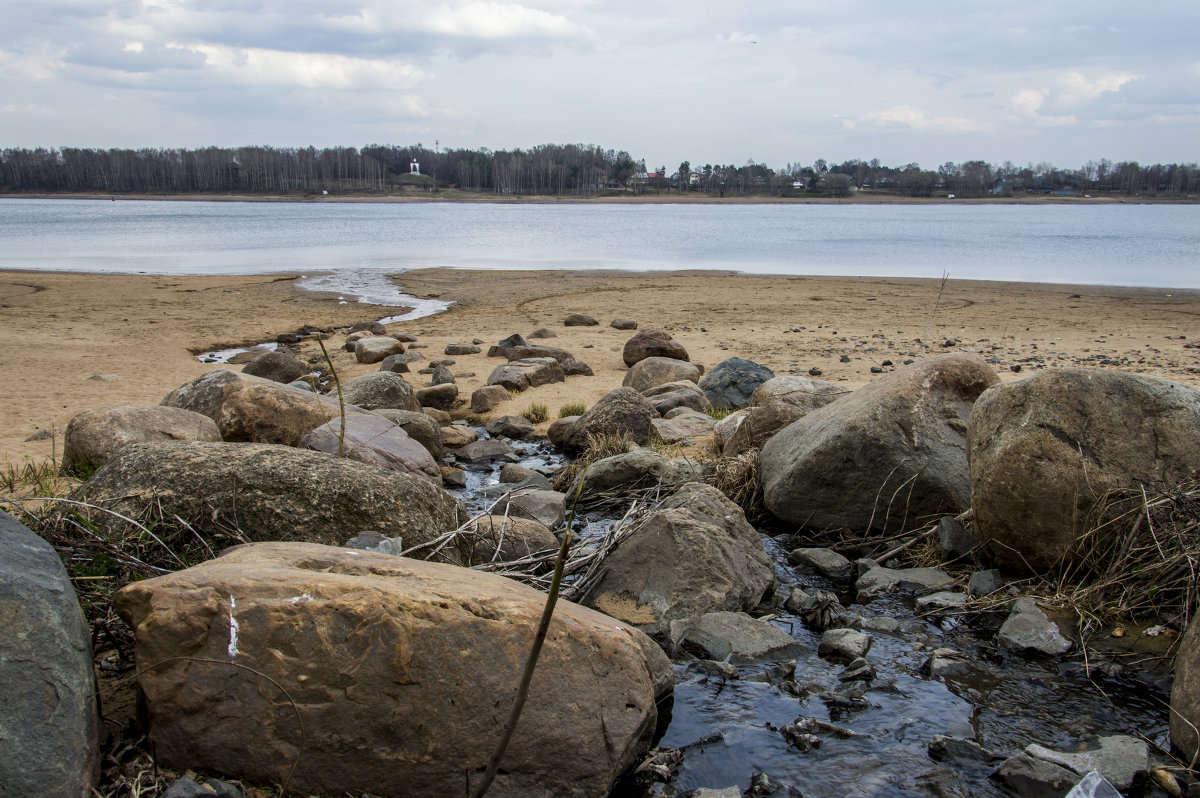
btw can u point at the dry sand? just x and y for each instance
(141, 333)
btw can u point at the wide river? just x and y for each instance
(359, 243)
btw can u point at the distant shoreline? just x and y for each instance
(667, 198)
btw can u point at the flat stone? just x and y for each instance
(826, 562)
(878, 581)
(843, 645)
(1027, 629)
(735, 637)
(478, 451)
(940, 602)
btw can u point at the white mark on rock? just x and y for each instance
(301, 597)
(233, 629)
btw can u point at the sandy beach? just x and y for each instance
(79, 341)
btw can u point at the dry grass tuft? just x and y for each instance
(597, 447)
(737, 477)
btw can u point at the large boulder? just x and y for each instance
(503, 539)
(380, 390)
(376, 348)
(419, 426)
(623, 411)
(759, 425)
(93, 435)
(652, 342)
(520, 375)
(438, 396)
(1045, 449)
(277, 367)
(694, 554)
(891, 453)
(633, 471)
(268, 493)
(803, 392)
(672, 395)
(486, 398)
(374, 439)
(732, 382)
(49, 723)
(1185, 694)
(402, 673)
(252, 409)
(651, 372)
(685, 426)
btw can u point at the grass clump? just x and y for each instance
(536, 412)
(738, 478)
(572, 409)
(721, 413)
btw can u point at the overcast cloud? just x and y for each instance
(1063, 81)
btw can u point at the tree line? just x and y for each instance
(547, 169)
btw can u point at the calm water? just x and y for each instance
(1143, 245)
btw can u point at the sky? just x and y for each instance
(709, 81)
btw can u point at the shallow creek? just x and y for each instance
(730, 728)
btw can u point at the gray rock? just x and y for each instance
(623, 324)
(512, 473)
(731, 383)
(958, 751)
(1028, 630)
(955, 542)
(547, 507)
(503, 539)
(795, 600)
(543, 332)
(303, 385)
(632, 471)
(375, 541)
(479, 451)
(277, 367)
(268, 492)
(1185, 693)
(374, 350)
(759, 425)
(843, 645)
(520, 375)
(455, 350)
(800, 392)
(826, 562)
(419, 426)
(727, 426)
(580, 320)
(878, 581)
(439, 396)
(49, 726)
(1118, 759)
(945, 662)
(455, 436)
(515, 427)
(576, 368)
(249, 408)
(94, 435)
(397, 363)
(623, 411)
(694, 554)
(734, 637)
(674, 395)
(652, 372)
(210, 788)
(373, 439)
(505, 346)
(454, 477)
(840, 465)
(940, 602)
(373, 327)
(1044, 449)
(560, 430)
(442, 375)
(684, 426)
(382, 389)
(652, 342)
(1030, 777)
(540, 351)
(486, 398)
(985, 583)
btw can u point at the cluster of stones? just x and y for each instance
(260, 449)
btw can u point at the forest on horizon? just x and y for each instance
(546, 170)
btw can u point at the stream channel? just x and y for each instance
(728, 728)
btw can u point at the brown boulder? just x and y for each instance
(267, 493)
(673, 395)
(885, 456)
(252, 409)
(375, 349)
(620, 412)
(93, 435)
(485, 398)
(401, 672)
(1045, 449)
(381, 390)
(652, 342)
(803, 392)
(519, 375)
(652, 372)
(373, 439)
(759, 425)
(502, 539)
(277, 367)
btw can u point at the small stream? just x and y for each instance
(729, 728)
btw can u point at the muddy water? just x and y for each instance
(729, 729)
